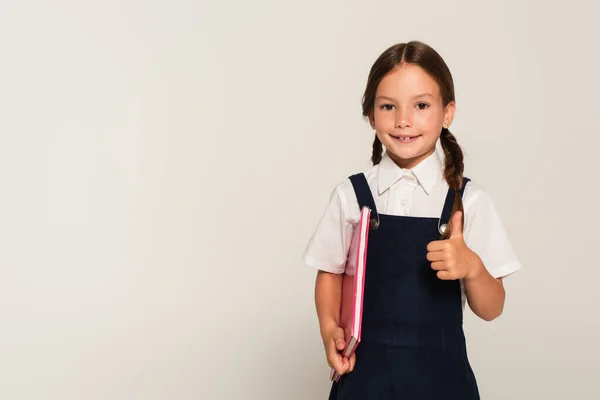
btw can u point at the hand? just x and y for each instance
(333, 340)
(451, 258)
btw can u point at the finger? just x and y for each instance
(436, 245)
(338, 339)
(457, 225)
(335, 359)
(352, 362)
(438, 266)
(445, 275)
(343, 366)
(436, 256)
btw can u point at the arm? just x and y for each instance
(453, 259)
(327, 252)
(482, 255)
(485, 294)
(328, 293)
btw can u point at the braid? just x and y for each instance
(377, 151)
(453, 173)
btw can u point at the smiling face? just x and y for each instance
(409, 114)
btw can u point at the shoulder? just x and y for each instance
(330, 241)
(474, 193)
(485, 234)
(479, 208)
(476, 200)
(345, 194)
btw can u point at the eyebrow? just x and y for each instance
(416, 97)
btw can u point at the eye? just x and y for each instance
(422, 106)
(386, 107)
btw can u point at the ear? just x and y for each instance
(449, 112)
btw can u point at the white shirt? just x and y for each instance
(419, 192)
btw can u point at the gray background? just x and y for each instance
(162, 165)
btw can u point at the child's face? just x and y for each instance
(408, 104)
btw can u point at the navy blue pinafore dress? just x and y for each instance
(413, 346)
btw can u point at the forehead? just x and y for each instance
(407, 80)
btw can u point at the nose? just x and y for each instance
(403, 119)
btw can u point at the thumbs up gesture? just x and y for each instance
(451, 258)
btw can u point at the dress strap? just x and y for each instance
(365, 197)
(445, 219)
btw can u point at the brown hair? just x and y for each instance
(422, 55)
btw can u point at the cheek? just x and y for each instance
(429, 121)
(384, 121)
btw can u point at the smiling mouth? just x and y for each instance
(405, 139)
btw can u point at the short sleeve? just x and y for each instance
(484, 233)
(329, 244)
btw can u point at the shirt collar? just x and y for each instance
(427, 173)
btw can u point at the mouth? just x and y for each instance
(405, 139)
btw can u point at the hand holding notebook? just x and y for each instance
(334, 344)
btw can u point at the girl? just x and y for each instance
(422, 267)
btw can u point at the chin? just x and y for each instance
(407, 157)
(405, 151)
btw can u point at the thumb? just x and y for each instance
(338, 338)
(457, 226)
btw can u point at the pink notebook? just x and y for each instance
(353, 283)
